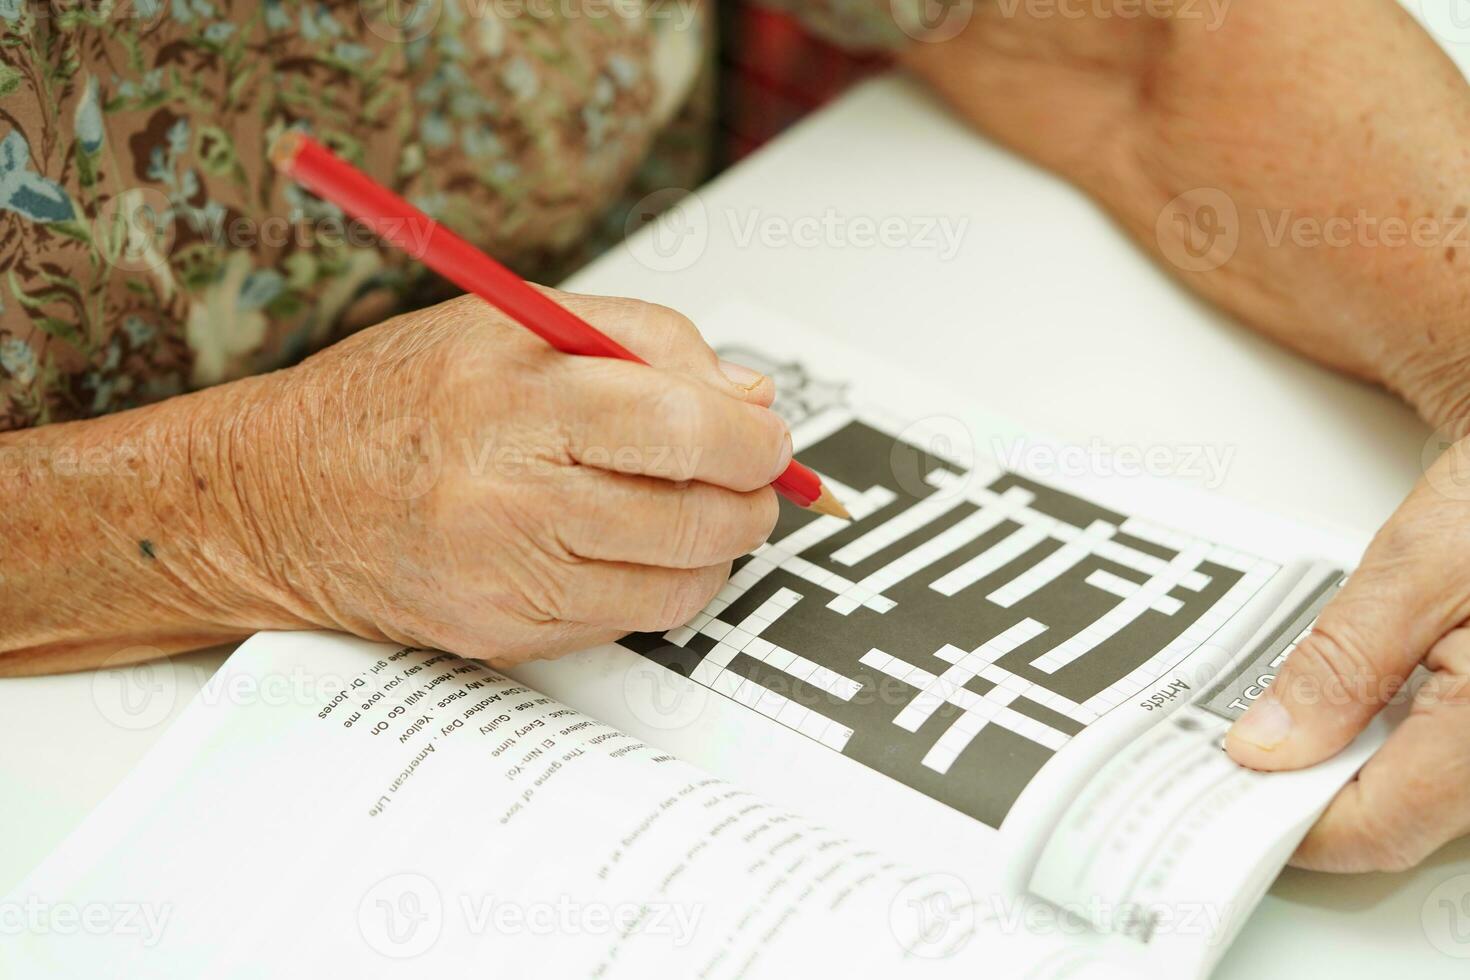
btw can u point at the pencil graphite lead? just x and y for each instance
(828, 504)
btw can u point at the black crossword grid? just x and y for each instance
(963, 627)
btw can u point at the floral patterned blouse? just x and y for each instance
(147, 248)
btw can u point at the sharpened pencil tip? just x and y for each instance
(830, 505)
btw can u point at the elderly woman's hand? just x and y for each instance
(448, 479)
(1408, 604)
(444, 479)
(1302, 165)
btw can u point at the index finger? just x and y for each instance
(634, 418)
(668, 339)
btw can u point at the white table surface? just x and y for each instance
(1051, 318)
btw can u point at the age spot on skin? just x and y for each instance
(146, 547)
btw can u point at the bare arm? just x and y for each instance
(443, 479)
(122, 537)
(1322, 148)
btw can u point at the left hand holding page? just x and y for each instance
(1406, 605)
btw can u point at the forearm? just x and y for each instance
(1334, 136)
(125, 537)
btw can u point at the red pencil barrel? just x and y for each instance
(407, 228)
(799, 485)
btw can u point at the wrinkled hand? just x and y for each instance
(1251, 148)
(1245, 146)
(449, 480)
(1408, 604)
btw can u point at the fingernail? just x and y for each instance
(787, 451)
(741, 376)
(1266, 725)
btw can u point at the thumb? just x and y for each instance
(1360, 651)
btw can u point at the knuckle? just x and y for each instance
(776, 430)
(1387, 849)
(1444, 691)
(765, 514)
(544, 593)
(1377, 833)
(679, 416)
(767, 441)
(460, 326)
(583, 506)
(688, 593)
(671, 332)
(1451, 655)
(1332, 667)
(691, 534)
(1405, 536)
(1394, 540)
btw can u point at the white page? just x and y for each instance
(331, 807)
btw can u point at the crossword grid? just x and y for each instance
(971, 711)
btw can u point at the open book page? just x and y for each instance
(331, 808)
(1004, 616)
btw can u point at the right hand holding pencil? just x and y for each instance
(447, 479)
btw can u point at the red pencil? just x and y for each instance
(401, 224)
